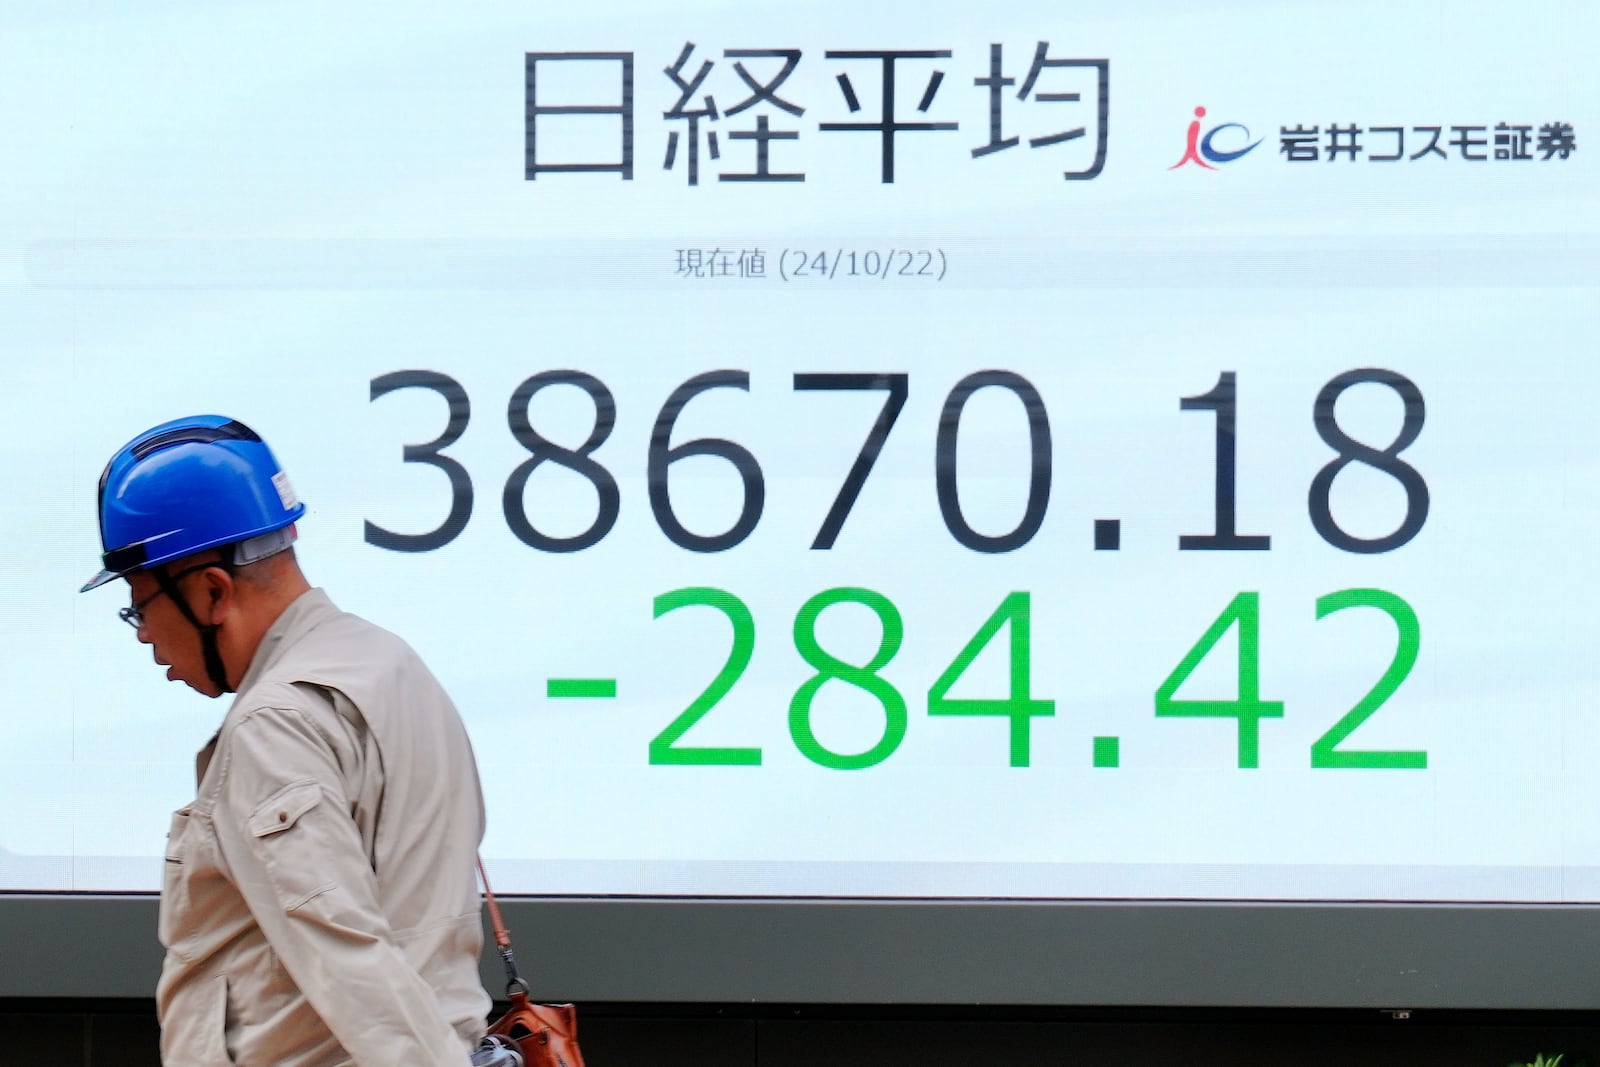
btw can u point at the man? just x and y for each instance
(319, 903)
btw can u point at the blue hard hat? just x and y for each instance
(186, 486)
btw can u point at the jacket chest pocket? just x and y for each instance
(196, 898)
(176, 925)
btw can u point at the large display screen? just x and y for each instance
(1099, 450)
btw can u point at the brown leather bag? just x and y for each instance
(545, 1034)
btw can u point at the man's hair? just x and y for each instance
(268, 573)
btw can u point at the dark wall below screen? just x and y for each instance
(123, 1033)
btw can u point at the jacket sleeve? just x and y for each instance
(286, 833)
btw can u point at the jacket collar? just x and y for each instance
(308, 610)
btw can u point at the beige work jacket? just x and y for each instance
(320, 904)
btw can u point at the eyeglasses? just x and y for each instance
(133, 614)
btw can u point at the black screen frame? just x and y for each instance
(948, 952)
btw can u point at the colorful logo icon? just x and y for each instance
(1199, 150)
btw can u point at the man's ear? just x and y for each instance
(220, 591)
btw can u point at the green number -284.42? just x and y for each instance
(1018, 706)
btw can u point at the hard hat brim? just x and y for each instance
(100, 579)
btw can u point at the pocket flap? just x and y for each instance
(283, 809)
